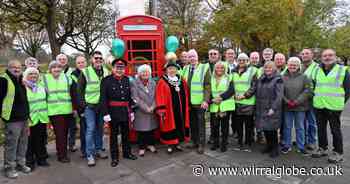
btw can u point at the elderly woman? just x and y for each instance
(172, 107)
(222, 89)
(297, 92)
(269, 94)
(36, 150)
(143, 94)
(60, 97)
(245, 79)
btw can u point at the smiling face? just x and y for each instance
(293, 67)
(15, 68)
(97, 60)
(254, 58)
(280, 60)
(269, 68)
(242, 63)
(213, 56)
(230, 55)
(119, 70)
(56, 70)
(193, 60)
(219, 70)
(80, 62)
(144, 75)
(171, 71)
(62, 59)
(33, 77)
(328, 57)
(267, 55)
(32, 64)
(306, 55)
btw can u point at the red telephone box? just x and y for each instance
(144, 42)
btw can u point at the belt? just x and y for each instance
(118, 103)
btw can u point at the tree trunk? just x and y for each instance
(51, 32)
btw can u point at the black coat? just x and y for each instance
(113, 89)
(269, 95)
(20, 108)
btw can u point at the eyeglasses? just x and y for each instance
(98, 58)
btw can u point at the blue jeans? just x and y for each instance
(93, 131)
(310, 127)
(298, 119)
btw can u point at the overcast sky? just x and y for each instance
(126, 7)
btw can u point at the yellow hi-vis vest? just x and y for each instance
(37, 106)
(93, 84)
(329, 91)
(311, 69)
(59, 101)
(7, 103)
(243, 83)
(219, 88)
(197, 83)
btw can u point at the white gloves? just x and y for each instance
(107, 118)
(132, 117)
(270, 112)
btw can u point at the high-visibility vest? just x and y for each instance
(69, 71)
(217, 89)
(284, 71)
(59, 101)
(243, 83)
(259, 71)
(7, 103)
(93, 84)
(329, 91)
(311, 69)
(37, 106)
(197, 83)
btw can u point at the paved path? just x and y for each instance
(177, 168)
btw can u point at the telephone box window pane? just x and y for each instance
(129, 56)
(142, 56)
(141, 44)
(129, 45)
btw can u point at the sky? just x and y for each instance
(126, 7)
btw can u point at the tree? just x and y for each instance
(97, 27)
(31, 40)
(286, 25)
(341, 40)
(183, 18)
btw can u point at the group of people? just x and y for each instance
(262, 100)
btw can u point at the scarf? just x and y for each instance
(31, 85)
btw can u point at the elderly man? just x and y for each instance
(309, 67)
(14, 110)
(31, 62)
(267, 55)
(214, 57)
(280, 62)
(331, 91)
(230, 57)
(63, 60)
(89, 85)
(198, 77)
(183, 59)
(80, 64)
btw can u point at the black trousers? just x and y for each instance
(324, 116)
(145, 138)
(223, 123)
(123, 128)
(82, 124)
(36, 150)
(271, 139)
(234, 128)
(197, 125)
(245, 122)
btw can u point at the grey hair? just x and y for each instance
(295, 60)
(144, 67)
(29, 71)
(53, 64)
(268, 50)
(272, 64)
(61, 55)
(29, 59)
(12, 62)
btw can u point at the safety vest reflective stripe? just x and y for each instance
(37, 100)
(243, 83)
(38, 106)
(7, 103)
(58, 96)
(217, 89)
(329, 92)
(92, 90)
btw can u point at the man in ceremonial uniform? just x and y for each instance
(116, 103)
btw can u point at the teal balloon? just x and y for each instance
(118, 48)
(172, 43)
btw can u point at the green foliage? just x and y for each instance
(286, 25)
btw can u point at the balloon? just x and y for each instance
(118, 48)
(172, 43)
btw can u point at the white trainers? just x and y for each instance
(335, 158)
(11, 173)
(91, 161)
